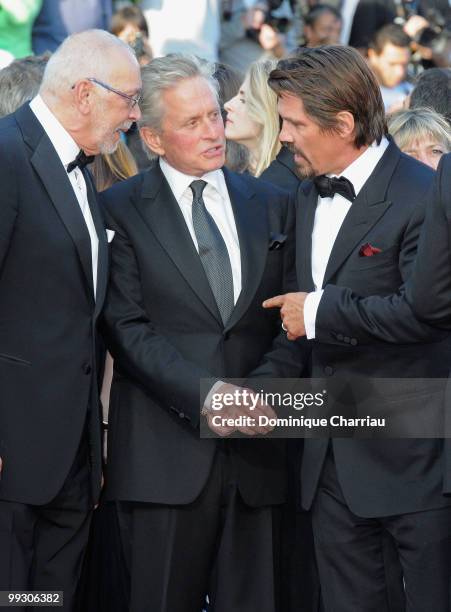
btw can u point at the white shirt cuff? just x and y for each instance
(310, 308)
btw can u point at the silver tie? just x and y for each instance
(212, 252)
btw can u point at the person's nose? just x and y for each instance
(135, 113)
(228, 106)
(284, 135)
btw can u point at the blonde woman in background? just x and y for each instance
(421, 133)
(252, 118)
(253, 121)
(111, 168)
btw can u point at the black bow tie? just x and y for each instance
(327, 187)
(81, 161)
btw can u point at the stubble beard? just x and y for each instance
(304, 170)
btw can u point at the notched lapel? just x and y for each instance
(57, 185)
(102, 259)
(362, 216)
(366, 210)
(305, 217)
(253, 236)
(165, 220)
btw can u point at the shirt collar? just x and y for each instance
(180, 182)
(361, 168)
(65, 146)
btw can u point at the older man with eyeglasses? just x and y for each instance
(53, 275)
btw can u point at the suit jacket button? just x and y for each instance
(328, 371)
(347, 339)
(340, 337)
(226, 335)
(87, 369)
(354, 341)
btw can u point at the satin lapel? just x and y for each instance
(54, 177)
(165, 220)
(365, 212)
(102, 262)
(307, 199)
(253, 235)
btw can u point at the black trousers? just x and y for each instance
(349, 552)
(42, 547)
(216, 546)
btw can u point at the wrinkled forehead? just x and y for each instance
(190, 97)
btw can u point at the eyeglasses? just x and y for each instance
(133, 100)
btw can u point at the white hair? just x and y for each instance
(82, 55)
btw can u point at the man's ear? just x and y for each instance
(83, 96)
(152, 140)
(345, 124)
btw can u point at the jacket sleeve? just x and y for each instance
(429, 288)
(285, 359)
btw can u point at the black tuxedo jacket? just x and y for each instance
(165, 333)
(282, 171)
(47, 316)
(364, 326)
(429, 288)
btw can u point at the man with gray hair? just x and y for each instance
(53, 275)
(20, 82)
(196, 251)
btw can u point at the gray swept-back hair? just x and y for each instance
(82, 55)
(163, 73)
(20, 82)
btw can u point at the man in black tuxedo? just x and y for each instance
(358, 220)
(429, 287)
(196, 250)
(53, 276)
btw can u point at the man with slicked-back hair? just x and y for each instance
(359, 214)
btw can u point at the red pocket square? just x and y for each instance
(368, 250)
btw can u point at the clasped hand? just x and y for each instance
(238, 409)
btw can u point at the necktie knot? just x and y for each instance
(80, 161)
(197, 187)
(328, 186)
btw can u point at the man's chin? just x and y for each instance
(304, 171)
(109, 147)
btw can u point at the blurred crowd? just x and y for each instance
(407, 44)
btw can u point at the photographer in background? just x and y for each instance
(130, 25)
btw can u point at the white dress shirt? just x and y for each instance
(329, 216)
(217, 202)
(67, 150)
